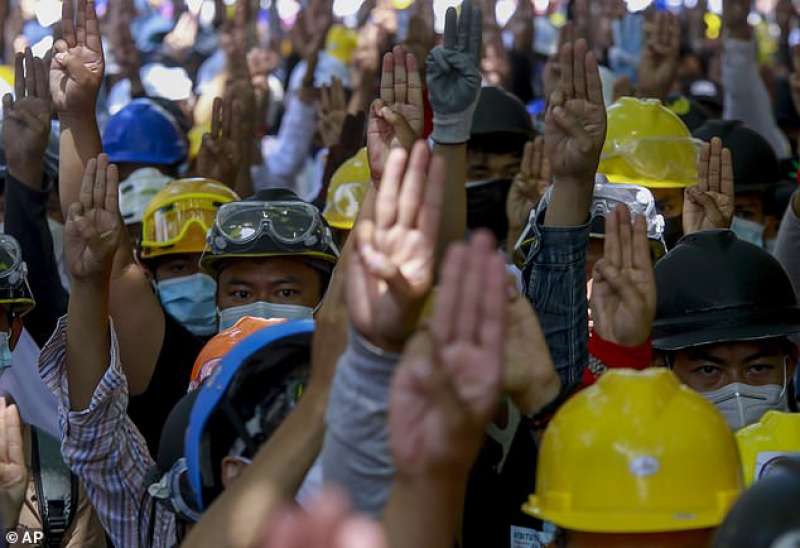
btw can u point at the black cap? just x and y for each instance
(765, 516)
(755, 165)
(714, 287)
(499, 112)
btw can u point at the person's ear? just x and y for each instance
(232, 467)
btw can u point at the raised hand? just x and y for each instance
(13, 469)
(444, 394)
(26, 120)
(710, 204)
(528, 186)
(93, 229)
(623, 299)
(78, 65)
(220, 152)
(328, 523)
(397, 118)
(658, 66)
(576, 116)
(391, 269)
(332, 113)
(454, 78)
(529, 375)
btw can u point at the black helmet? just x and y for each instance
(500, 120)
(714, 287)
(755, 165)
(273, 223)
(766, 516)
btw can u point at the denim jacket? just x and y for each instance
(554, 280)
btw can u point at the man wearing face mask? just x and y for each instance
(272, 256)
(174, 226)
(500, 128)
(648, 145)
(725, 310)
(756, 174)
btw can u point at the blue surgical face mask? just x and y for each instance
(5, 352)
(192, 301)
(749, 231)
(263, 309)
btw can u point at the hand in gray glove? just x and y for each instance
(454, 78)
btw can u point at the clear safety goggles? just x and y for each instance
(15, 293)
(168, 225)
(289, 223)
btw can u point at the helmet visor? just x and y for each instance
(169, 224)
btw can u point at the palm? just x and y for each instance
(572, 156)
(75, 89)
(622, 317)
(696, 218)
(425, 434)
(89, 255)
(30, 131)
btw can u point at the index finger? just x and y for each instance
(464, 23)
(92, 30)
(87, 184)
(80, 23)
(400, 80)
(387, 79)
(565, 63)
(611, 245)
(641, 246)
(475, 38)
(727, 187)
(68, 23)
(112, 190)
(40, 70)
(30, 77)
(414, 81)
(19, 76)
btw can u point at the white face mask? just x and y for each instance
(263, 309)
(749, 231)
(744, 404)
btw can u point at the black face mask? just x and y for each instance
(486, 207)
(673, 230)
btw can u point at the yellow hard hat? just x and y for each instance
(178, 218)
(7, 75)
(776, 434)
(638, 452)
(340, 43)
(649, 145)
(346, 192)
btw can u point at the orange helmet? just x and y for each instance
(215, 349)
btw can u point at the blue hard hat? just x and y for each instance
(244, 400)
(144, 132)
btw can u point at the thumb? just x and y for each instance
(400, 125)
(76, 68)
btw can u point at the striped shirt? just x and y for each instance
(104, 449)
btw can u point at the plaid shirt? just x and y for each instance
(104, 449)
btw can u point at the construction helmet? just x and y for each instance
(765, 516)
(15, 293)
(239, 407)
(136, 191)
(144, 132)
(714, 287)
(340, 43)
(178, 218)
(647, 144)
(638, 452)
(273, 223)
(222, 343)
(776, 435)
(346, 192)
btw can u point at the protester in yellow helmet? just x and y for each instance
(638, 459)
(346, 193)
(647, 144)
(772, 439)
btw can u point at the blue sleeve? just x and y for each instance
(554, 279)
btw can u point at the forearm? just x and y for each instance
(453, 225)
(87, 340)
(356, 454)
(294, 141)
(424, 512)
(79, 142)
(555, 283)
(787, 248)
(746, 96)
(237, 517)
(570, 203)
(26, 220)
